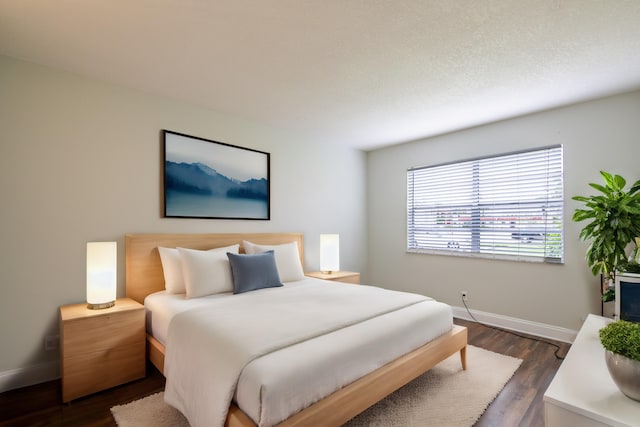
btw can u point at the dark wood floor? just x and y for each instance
(519, 403)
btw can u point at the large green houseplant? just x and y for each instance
(614, 223)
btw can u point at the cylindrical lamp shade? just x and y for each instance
(329, 253)
(101, 274)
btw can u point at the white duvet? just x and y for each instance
(208, 347)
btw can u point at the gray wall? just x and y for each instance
(80, 160)
(598, 135)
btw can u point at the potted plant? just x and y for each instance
(615, 222)
(621, 340)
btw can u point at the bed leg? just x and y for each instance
(463, 357)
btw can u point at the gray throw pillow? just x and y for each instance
(252, 272)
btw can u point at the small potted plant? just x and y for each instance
(614, 217)
(621, 340)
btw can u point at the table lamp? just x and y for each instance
(329, 253)
(101, 274)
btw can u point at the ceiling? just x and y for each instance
(366, 73)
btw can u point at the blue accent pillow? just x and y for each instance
(252, 272)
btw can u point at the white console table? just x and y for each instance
(582, 393)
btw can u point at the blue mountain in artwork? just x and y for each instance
(197, 178)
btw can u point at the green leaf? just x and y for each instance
(599, 200)
(620, 182)
(581, 198)
(581, 215)
(608, 178)
(600, 188)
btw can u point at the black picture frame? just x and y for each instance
(209, 179)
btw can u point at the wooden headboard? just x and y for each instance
(142, 260)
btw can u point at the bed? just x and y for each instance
(144, 277)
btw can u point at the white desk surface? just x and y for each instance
(583, 385)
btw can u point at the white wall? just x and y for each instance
(80, 160)
(598, 135)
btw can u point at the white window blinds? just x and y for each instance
(508, 206)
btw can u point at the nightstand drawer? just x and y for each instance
(91, 372)
(103, 332)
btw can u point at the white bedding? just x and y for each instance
(273, 387)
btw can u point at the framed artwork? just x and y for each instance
(210, 179)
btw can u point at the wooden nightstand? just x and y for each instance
(337, 276)
(100, 349)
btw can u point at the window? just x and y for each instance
(507, 206)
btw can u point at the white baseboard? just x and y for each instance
(518, 325)
(23, 377)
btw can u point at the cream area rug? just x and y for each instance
(444, 396)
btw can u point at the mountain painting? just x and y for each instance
(209, 179)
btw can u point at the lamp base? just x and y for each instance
(328, 271)
(101, 306)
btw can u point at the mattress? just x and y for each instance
(273, 387)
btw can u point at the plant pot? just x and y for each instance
(625, 373)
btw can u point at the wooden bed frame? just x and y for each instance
(144, 276)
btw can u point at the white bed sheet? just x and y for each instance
(161, 306)
(273, 387)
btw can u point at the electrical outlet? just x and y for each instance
(465, 296)
(51, 342)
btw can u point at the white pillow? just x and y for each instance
(206, 272)
(172, 269)
(287, 259)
